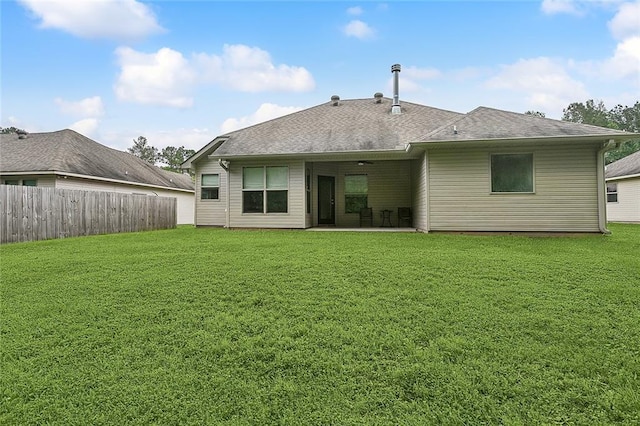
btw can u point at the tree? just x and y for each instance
(146, 152)
(174, 157)
(7, 130)
(536, 114)
(588, 113)
(619, 118)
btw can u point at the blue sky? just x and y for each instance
(183, 72)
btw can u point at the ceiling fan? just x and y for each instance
(363, 162)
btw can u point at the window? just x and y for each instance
(265, 189)
(210, 187)
(612, 193)
(356, 188)
(512, 173)
(308, 190)
(23, 182)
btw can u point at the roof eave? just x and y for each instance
(637, 175)
(399, 152)
(534, 139)
(98, 178)
(207, 149)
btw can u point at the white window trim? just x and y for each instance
(206, 200)
(265, 190)
(613, 192)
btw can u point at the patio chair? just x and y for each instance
(404, 216)
(366, 216)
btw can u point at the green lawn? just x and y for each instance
(210, 326)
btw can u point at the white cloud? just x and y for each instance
(161, 78)
(626, 22)
(167, 78)
(88, 107)
(87, 126)
(358, 29)
(265, 112)
(552, 7)
(625, 61)
(251, 69)
(355, 11)
(544, 83)
(111, 19)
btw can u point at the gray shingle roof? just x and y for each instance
(487, 123)
(70, 152)
(626, 166)
(363, 125)
(353, 125)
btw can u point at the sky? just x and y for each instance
(181, 73)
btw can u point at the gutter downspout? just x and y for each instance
(225, 166)
(602, 188)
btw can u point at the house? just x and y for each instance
(68, 160)
(487, 170)
(623, 189)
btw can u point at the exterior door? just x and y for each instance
(326, 200)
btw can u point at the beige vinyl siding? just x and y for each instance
(565, 198)
(419, 192)
(211, 212)
(185, 201)
(627, 209)
(389, 187)
(46, 181)
(296, 214)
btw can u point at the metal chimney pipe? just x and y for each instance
(395, 108)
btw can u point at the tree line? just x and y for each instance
(171, 157)
(596, 113)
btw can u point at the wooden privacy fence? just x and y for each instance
(36, 213)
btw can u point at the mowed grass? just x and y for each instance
(210, 326)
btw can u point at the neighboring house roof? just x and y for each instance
(626, 166)
(66, 151)
(363, 125)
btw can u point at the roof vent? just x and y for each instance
(395, 108)
(378, 97)
(335, 100)
(21, 134)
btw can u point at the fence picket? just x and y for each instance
(35, 213)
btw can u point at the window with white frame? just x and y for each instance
(512, 173)
(23, 182)
(356, 193)
(612, 193)
(265, 189)
(210, 187)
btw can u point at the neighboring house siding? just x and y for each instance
(419, 191)
(211, 212)
(565, 196)
(184, 200)
(627, 209)
(294, 218)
